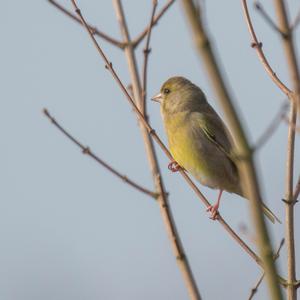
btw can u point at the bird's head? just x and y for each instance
(179, 94)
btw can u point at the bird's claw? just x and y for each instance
(174, 166)
(214, 213)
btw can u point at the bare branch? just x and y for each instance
(152, 132)
(293, 67)
(272, 127)
(255, 288)
(86, 150)
(142, 35)
(146, 56)
(267, 18)
(93, 29)
(258, 47)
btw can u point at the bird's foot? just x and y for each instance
(174, 166)
(214, 213)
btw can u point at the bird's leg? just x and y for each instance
(213, 209)
(174, 166)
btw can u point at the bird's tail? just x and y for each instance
(270, 215)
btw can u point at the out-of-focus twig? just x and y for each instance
(246, 168)
(296, 21)
(259, 281)
(143, 34)
(152, 132)
(267, 18)
(146, 58)
(258, 47)
(86, 150)
(93, 29)
(288, 43)
(271, 128)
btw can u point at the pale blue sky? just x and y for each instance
(69, 229)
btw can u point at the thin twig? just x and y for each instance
(152, 132)
(258, 47)
(142, 35)
(296, 21)
(246, 168)
(86, 150)
(146, 58)
(267, 18)
(271, 128)
(293, 68)
(255, 288)
(93, 29)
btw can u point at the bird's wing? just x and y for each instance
(215, 131)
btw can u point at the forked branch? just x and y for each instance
(143, 34)
(259, 281)
(93, 29)
(258, 47)
(86, 150)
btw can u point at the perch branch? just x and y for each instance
(86, 150)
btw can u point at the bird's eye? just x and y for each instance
(166, 91)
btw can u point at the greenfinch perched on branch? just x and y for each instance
(198, 139)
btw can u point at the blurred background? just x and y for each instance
(71, 230)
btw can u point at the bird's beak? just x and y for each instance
(157, 98)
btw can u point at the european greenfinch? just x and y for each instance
(198, 139)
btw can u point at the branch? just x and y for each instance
(166, 213)
(156, 138)
(142, 35)
(258, 47)
(242, 148)
(271, 128)
(93, 29)
(293, 68)
(255, 288)
(267, 18)
(86, 150)
(146, 56)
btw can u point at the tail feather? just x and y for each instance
(270, 215)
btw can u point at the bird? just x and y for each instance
(199, 141)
